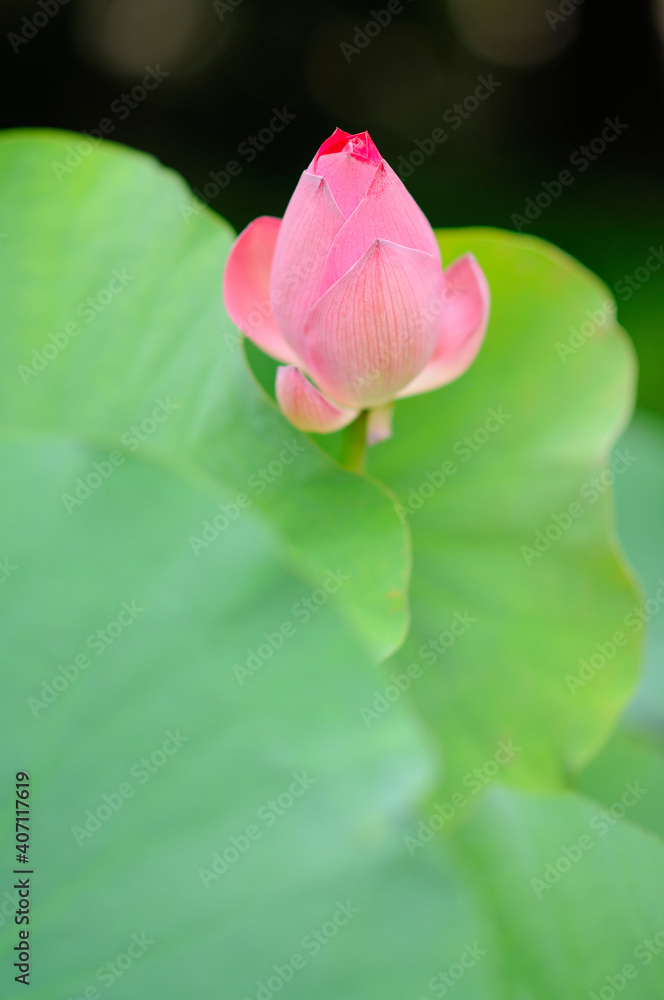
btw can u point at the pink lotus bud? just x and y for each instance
(348, 289)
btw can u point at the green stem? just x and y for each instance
(354, 444)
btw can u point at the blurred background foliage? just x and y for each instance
(557, 70)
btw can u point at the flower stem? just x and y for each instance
(354, 444)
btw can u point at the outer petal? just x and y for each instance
(376, 327)
(465, 317)
(307, 408)
(309, 226)
(348, 163)
(247, 287)
(386, 212)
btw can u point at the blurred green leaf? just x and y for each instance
(230, 841)
(638, 745)
(629, 755)
(513, 587)
(119, 338)
(186, 697)
(640, 506)
(230, 826)
(571, 893)
(169, 730)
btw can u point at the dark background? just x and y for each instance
(230, 64)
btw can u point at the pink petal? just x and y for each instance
(465, 317)
(386, 212)
(373, 330)
(305, 407)
(309, 226)
(247, 287)
(348, 163)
